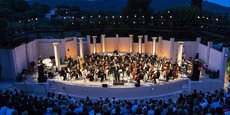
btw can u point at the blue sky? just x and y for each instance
(221, 2)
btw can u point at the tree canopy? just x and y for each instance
(138, 7)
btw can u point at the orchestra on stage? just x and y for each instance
(115, 67)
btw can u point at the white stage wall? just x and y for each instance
(32, 51)
(165, 48)
(202, 50)
(111, 43)
(46, 49)
(123, 44)
(215, 59)
(20, 58)
(71, 49)
(190, 49)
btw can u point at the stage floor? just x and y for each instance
(84, 88)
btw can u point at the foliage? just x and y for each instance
(197, 3)
(138, 7)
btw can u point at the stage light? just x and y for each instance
(64, 17)
(151, 17)
(99, 16)
(168, 12)
(73, 17)
(72, 23)
(120, 16)
(91, 16)
(161, 16)
(82, 17)
(134, 22)
(207, 18)
(112, 16)
(162, 23)
(19, 21)
(217, 19)
(28, 20)
(135, 16)
(143, 16)
(143, 22)
(106, 17)
(99, 22)
(171, 17)
(127, 16)
(36, 18)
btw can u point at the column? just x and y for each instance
(130, 43)
(208, 52)
(171, 53)
(139, 43)
(154, 45)
(103, 43)
(145, 44)
(56, 55)
(160, 45)
(225, 55)
(94, 44)
(180, 53)
(89, 51)
(81, 47)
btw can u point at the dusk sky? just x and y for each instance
(221, 2)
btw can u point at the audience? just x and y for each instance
(13, 102)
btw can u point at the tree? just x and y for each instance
(197, 3)
(138, 7)
(40, 8)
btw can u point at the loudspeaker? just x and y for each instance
(41, 75)
(137, 85)
(104, 85)
(195, 72)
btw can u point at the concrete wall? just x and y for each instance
(123, 44)
(32, 51)
(111, 43)
(149, 47)
(71, 49)
(215, 59)
(46, 49)
(20, 58)
(7, 65)
(202, 50)
(190, 49)
(165, 48)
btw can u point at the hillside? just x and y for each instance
(118, 5)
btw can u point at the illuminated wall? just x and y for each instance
(71, 49)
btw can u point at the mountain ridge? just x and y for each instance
(118, 5)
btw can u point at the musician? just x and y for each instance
(117, 75)
(169, 75)
(63, 73)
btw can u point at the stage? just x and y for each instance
(83, 88)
